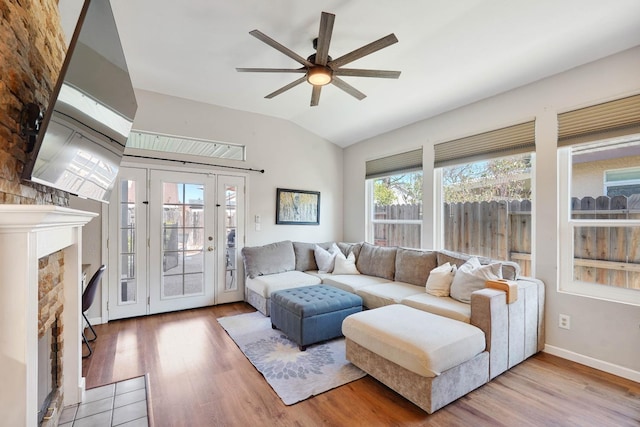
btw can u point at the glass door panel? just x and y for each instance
(183, 246)
(231, 226)
(182, 212)
(231, 230)
(128, 282)
(128, 289)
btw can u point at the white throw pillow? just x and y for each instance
(439, 280)
(345, 264)
(471, 276)
(325, 258)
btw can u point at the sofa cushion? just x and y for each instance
(305, 257)
(265, 285)
(413, 266)
(439, 280)
(442, 306)
(347, 248)
(351, 282)
(510, 269)
(416, 340)
(345, 264)
(471, 276)
(375, 296)
(268, 259)
(379, 261)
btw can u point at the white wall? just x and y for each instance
(291, 157)
(91, 249)
(603, 334)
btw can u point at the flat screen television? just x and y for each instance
(88, 119)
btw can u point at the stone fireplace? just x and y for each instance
(50, 340)
(28, 234)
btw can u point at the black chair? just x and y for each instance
(87, 299)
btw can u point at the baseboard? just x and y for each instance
(96, 321)
(601, 365)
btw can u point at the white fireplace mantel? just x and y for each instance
(27, 233)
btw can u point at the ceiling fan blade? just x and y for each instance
(271, 70)
(324, 37)
(287, 87)
(274, 44)
(348, 88)
(355, 72)
(315, 95)
(364, 51)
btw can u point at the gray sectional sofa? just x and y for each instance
(391, 276)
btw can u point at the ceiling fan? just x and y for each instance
(320, 69)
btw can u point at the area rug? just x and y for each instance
(293, 374)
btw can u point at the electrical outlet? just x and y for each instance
(564, 321)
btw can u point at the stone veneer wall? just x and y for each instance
(32, 49)
(50, 306)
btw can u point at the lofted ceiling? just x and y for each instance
(450, 53)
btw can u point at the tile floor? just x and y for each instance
(122, 404)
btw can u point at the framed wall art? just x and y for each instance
(297, 207)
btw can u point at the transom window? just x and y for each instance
(182, 145)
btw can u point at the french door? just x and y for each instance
(179, 236)
(127, 245)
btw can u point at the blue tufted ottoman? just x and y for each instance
(311, 314)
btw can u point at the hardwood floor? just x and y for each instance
(198, 377)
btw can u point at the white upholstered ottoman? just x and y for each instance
(431, 360)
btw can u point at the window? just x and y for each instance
(622, 182)
(484, 192)
(601, 223)
(186, 146)
(487, 208)
(599, 160)
(394, 188)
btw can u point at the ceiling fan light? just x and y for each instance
(319, 76)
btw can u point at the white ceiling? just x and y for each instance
(451, 53)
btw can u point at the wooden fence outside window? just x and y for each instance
(603, 254)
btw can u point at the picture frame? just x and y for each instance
(297, 207)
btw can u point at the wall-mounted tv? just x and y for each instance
(86, 124)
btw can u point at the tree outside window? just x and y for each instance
(396, 210)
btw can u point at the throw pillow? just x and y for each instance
(471, 276)
(345, 265)
(440, 278)
(325, 258)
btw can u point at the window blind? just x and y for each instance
(602, 121)
(398, 163)
(496, 143)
